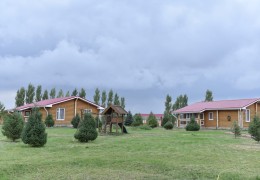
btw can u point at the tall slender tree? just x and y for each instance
(167, 112)
(30, 93)
(38, 93)
(110, 97)
(116, 100)
(97, 96)
(53, 93)
(82, 93)
(20, 97)
(208, 96)
(67, 94)
(60, 94)
(180, 102)
(103, 98)
(122, 102)
(74, 92)
(2, 110)
(45, 95)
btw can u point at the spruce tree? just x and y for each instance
(152, 121)
(82, 93)
(30, 93)
(104, 98)
(38, 96)
(75, 121)
(192, 125)
(97, 96)
(34, 131)
(87, 129)
(129, 119)
(254, 129)
(168, 125)
(138, 120)
(49, 122)
(53, 93)
(45, 95)
(236, 129)
(13, 126)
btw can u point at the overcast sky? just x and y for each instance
(142, 49)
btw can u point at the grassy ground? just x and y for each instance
(141, 154)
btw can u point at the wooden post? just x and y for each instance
(122, 123)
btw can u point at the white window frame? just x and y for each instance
(202, 115)
(188, 116)
(58, 115)
(87, 111)
(202, 123)
(210, 116)
(247, 115)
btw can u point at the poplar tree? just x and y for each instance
(208, 96)
(38, 93)
(97, 96)
(116, 100)
(82, 93)
(180, 102)
(45, 95)
(68, 94)
(53, 93)
(122, 102)
(60, 94)
(110, 98)
(103, 98)
(30, 93)
(20, 97)
(167, 114)
(74, 92)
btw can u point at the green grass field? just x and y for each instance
(141, 154)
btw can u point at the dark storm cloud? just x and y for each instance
(131, 46)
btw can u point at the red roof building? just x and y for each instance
(220, 114)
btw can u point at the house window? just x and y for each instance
(211, 116)
(248, 115)
(60, 115)
(187, 116)
(196, 115)
(181, 116)
(202, 116)
(202, 123)
(27, 113)
(87, 111)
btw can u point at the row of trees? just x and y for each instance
(32, 94)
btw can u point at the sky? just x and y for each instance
(142, 49)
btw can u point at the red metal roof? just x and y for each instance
(217, 105)
(50, 102)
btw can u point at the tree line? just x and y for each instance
(35, 94)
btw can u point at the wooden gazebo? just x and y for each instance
(114, 114)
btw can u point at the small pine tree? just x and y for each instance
(254, 129)
(138, 120)
(168, 125)
(87, 129)
(236, 129)
(49, 122)
(34, 130)
(152, 121)
(13, 126)
(192, 125)
(75, 121)
(129, 119)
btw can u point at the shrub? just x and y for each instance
(34, 130)
(166, 118)
(75, 121)
(236, 129)
(192, 125)
(87, 129)
(168, 125)
(145, 127)
(13, 126)
(49, 122)
(129, 119)
(254, 129)
(138, 120)
(152, 121)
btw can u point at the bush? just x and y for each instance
(168, 125)
(152, 121)
(254, 129)
(166, 118)
(49, 122)
(138, 120)
(87, 129)
(145, 127)
(192, 125)
(75, 121)
(236, 129)
(129, 119)
(34, 130)
(13, 126)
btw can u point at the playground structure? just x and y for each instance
(114, 114)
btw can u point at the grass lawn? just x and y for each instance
(141, 154)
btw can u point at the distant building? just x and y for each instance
(159, 118)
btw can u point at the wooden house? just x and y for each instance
(220, 114)
(158, 117)
(62, 109)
